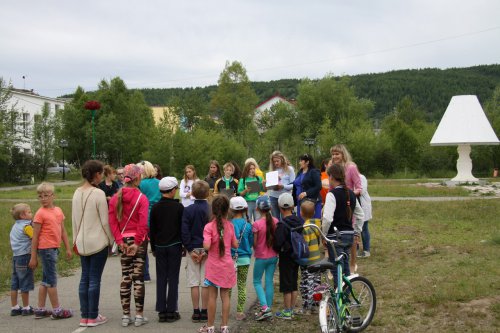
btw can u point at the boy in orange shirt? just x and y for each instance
(48, 230)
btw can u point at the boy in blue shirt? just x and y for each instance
(20, 242)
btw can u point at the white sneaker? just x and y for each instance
(126, 320)
(140, 320)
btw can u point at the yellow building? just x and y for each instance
(164, 112)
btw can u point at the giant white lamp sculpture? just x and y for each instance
(464, 124)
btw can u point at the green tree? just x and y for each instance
(43, 140)
(234, 100)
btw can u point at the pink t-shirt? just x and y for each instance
(220, 270)
(262, 251)
(50, 220)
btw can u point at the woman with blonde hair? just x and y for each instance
(341, 156)
(286, 174)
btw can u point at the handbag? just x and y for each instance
(75, 248)
(114, 249)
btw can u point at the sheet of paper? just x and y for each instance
(272, 178)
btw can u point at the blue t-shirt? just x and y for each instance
(245, 247)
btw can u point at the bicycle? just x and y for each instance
(347, 309)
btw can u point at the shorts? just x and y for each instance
(208, 283)
(289, 273)
(22, 276)
(49, 266)
(195, 273)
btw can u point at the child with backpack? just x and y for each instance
(283, 244)
(266, 257)
(241, 255)
(310, 280)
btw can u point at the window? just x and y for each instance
(25, 124)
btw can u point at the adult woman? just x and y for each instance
(149, 187)
(214, 173)
(91, 236)
(109, 185)
(341, 156)
(307, 184)
(128, 219)
(278, 162)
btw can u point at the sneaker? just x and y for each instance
(203, 315)
(240, 316)
(140, 320)
(83, 322)
(61, 314)
(147, 281)
(224, 329)
(263, 314)
(16, 312)
(196, 317)
(162, 317)
(42, 313)
(99, 320)
(285, 314)
(27, 312)
(173, 316)
(206, 329)
(126, 320)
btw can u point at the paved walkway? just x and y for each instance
(110, 306)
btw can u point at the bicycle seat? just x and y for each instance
(320, 266)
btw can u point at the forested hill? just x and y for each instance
(431, 89)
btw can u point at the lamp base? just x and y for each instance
(464, 166)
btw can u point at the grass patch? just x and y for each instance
(412, 188)
(434, 266)
(61, 192)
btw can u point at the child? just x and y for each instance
(227, 184)
(366, 205)
(218, 238)
(187, 185)
(166, 221)
(194, 219)
(243, 231)
(309, 280)
(289, 269)
(48, 231)
(249, 175)
(22, 275)
(265, 257)
(340, 206)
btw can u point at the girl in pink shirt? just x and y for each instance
(265, 257)
(220, 271)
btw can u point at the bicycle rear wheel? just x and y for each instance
(328, 318)
(361, 313)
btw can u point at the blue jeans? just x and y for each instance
(365, 235)
(253, 215)
(345, 246)
(90, 283)
(275, 209)
(22, 275)
(49, 266)
(267, 267)
(168, 265)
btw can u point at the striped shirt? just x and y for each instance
(313, 240)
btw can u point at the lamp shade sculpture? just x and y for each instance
(464, 124)
(93, 106)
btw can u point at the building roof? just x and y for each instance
(278, 96)
(464, 122)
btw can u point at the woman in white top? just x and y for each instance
(278, 162)
(186, 186)
(91, 237)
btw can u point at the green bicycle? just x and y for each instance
(347, 309)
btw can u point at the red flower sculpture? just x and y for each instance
(92, 105)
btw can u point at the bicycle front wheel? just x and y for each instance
(363, 310)
(328, 315)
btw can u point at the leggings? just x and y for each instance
(308, 281)
(266, 267)
(241, 275)
(133, 273)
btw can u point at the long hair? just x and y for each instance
(132, 178)
(270, 229)
(220, 207)
(90, 168)
(189, 166)
(340, 148)
(336, 171)
(218, 173)
(285, 164)
(246, 169)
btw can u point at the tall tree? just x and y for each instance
(234, 100)
(43, 140)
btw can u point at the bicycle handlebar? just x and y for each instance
(314, 226)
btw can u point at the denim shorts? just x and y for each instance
(49, 266)
(22, 275)
(209, 283)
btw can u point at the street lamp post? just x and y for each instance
(93, 106)
(63, 144)
(309, 142)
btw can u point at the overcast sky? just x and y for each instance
(59, 45)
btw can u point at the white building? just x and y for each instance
(29, 105)
(268, 104)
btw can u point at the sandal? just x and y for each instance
(206, 329)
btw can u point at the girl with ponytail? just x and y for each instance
(220, 272)
(340, 207)
(265, 257)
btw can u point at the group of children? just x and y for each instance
(218, 250)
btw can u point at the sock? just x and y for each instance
(16, 307)
(59, 308)
(26, 307)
